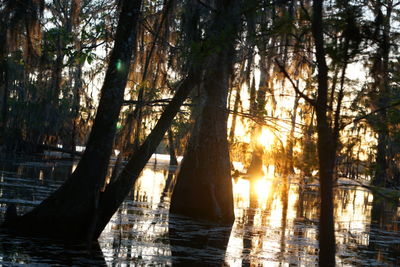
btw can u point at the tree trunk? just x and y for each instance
(77, 75)
(4, 100)
(234, 115)
(75, 107)
(171, 147)
(255, 168)
(71, 212)
(326, 145)
(380, 73)
(289, 164)
(3, 82)
(204, 186)
(138, 112)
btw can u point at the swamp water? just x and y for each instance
(273, 227)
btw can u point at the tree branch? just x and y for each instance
(311, 101)
(394, 104)
(151, 103)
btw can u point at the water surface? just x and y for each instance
(276, 224)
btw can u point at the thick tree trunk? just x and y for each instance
(204, 186)
(326, 146)
(71, 212)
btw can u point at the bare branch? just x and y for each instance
(296, 88)
(206, 6)
(157, 102)
(394, 104)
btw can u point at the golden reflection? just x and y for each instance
(275, 229)
(241, 190)
(276, 223)
(245, 189)
(151, 183)
(140, 221)
(262, 188)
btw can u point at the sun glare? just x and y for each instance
(244, 189)
(262, 188)
(266, 138)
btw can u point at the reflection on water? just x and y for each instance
(196, 243)
(41, 252)
(276, 224)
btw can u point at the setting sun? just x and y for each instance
(266, 138)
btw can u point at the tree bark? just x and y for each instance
(204, 186)
(326, 146)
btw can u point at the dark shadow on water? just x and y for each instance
(196, 243)
(384, 243)
(16, 250)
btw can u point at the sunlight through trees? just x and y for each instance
(242, 95)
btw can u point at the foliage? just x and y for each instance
(53, 55)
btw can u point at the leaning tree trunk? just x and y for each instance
(117, 190)
(204, 186)
(71, 212)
